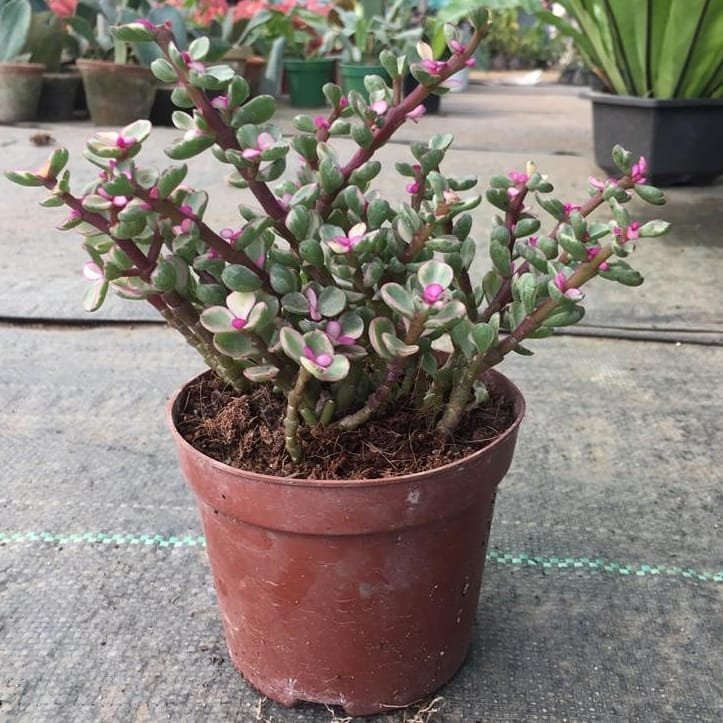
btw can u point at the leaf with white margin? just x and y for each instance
(262, 373)
(377, 327)
(397, 347)
(292, 343)
(435, 272)
(398, 299)
(452, 312)
(331, 301)
(235, 345)
(217, 319)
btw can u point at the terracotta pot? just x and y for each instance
(117, 94)
(20, 86)
(359, 593)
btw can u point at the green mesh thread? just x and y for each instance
(520, 560)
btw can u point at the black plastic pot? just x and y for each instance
(431, 103)
(58, 96)
(682, 139)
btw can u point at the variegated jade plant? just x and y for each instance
(349, 304)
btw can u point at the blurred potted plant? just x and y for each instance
(22, 63)
(351, 359)
(119, 87)
(365, 28)
(661, 70)
(296, 38)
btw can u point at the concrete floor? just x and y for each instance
(602, 595)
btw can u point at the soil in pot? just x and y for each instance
(247, 432)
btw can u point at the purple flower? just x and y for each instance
(592, 253)
(413, 187)
(336, 334)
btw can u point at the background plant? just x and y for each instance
(650, 48)
(348, 304)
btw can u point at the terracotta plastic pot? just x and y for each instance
(20, 86)
(359, 593)
(117, 94)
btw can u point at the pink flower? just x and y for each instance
(592, 253)
(263, 142)
(429, 64)
(220, 102)
(321, 123)
(343, 102)
(192, 64)
(323, 360)
(639, 170)
(560, 281)
(456, 47)
(379, 106)
(313, 300)
(336, 336)
(432, 293)
(570, 207)
(413, 187)
(416, 113)
(344, 244)
(518, 177)
(532, 241)
(631, 233)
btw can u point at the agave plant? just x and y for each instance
(649, 48)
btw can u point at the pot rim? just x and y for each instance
(639, 102)
(513, 394)
(110, 66)
(22, 68)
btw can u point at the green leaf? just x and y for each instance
(211, 294)
(240, 278)
(164, 71)
(498, 198)
(292, 343)
(199, 48)
(650, 194)
(396, 347)
(362, 135)
(526, 227)
(235, 344)
(283, 280)
(25, 178)
(623, 273)
(163, 276)
(330, 176)
(181, 150)
(501, 258)
(257, 111)
(217, 319)
(94, 294)
(336, 371)
(133, 33)
(262, 373)
(377, 212)
(483, 336)
(170, 179)
(398, 299)
(312, 252)
(565, 315)
(623, 159)
(332, 301)
(237, 92)
(295, 303)
(654, 228)
(576, 249)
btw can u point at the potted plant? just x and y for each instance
(119, 87)
(20, 79)
(351, 361)
(297, 40)
(660, 66)
(365, 28)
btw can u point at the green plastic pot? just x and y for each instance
(306, 79)
(353, 74)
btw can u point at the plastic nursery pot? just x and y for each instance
(58, 96)
(353, 74)
(20, 86)
(306, 79)
(117, 94)
(680, 137)
(359, 593)
(431, 103)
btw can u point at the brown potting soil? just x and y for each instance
(246, 431)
